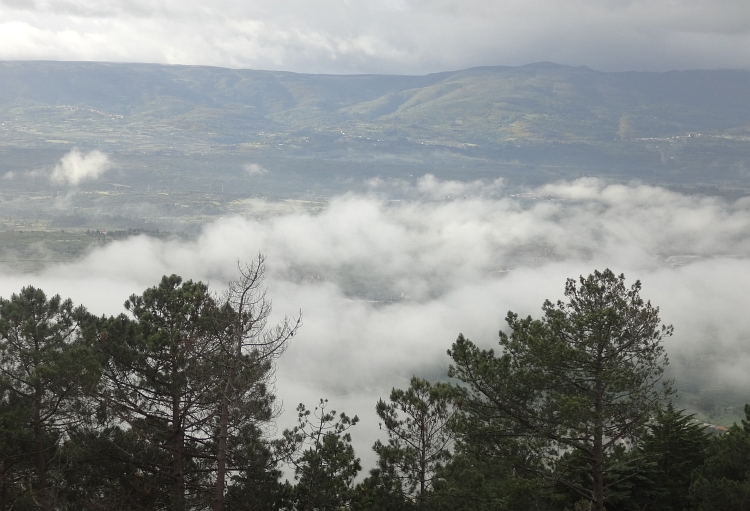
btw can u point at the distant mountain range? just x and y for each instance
(673, 126)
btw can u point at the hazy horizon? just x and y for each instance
(390, 36)
(538, 63)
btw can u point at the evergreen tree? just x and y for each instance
(158, 381)
(45, 369)
(244, 366)
(326, 466)
(584, 379)
(489, 470)
(16, 451)
(674, 448)
(255, 483)
(474, 481)
(417, 422)
(382, 490)
(111, 468)
(723, 482)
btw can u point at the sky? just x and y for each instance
(382, 36)
(449, 260)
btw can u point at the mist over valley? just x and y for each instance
(394, 211)
(395, 192)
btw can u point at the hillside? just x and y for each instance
(535, 122)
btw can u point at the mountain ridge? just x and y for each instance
(663, 125)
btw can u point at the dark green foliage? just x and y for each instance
(158, 381)
(490, 470)
(326, 474)
(45, 371)
(183, 398)
(723, 482)
(572, 386)
(381, 491)
(326, 468)
(567, 418)
(627, 474)
(112, 468)
(255, 485)
(666, 458)
(16, 453)
(417, 421)
(475, 482)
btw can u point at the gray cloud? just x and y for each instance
(386, 286)
(405, 36)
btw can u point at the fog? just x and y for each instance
(386, 285)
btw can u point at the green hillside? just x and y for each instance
(527, 124)
(489, 105)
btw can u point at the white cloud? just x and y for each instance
(76, 167)
(387, 286)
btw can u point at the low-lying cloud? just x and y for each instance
(76, 167)
(386, 286)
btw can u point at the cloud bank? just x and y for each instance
(394, 36)
(76, 167)
(386, 285)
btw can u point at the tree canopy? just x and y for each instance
(171, 406)
(574, 385)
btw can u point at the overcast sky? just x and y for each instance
(382, 36)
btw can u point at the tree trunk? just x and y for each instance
(221, 456)
(597, 462)
(41, 459)
(178, 475)
(422, 462)
(3, 486)
(597, 474)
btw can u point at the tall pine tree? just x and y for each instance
(45, 371)
(574, 385)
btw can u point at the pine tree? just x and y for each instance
(158, 382)
(417, 421)
(674, 448)
(45, 369)
(723, 482)
(584, 379)
(324, 462)
(244, 365)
